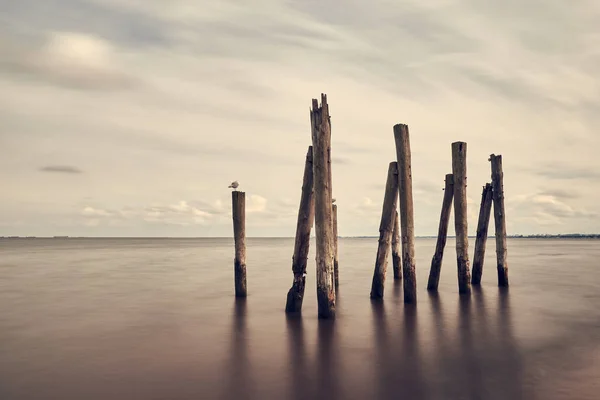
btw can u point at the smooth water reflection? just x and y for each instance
(158, 320)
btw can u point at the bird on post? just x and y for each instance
(234, 185)
(332, 201)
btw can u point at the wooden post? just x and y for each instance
(239, 234)
(386, 228)
(459, 170)
(336, 271)
(306, 216)
(482, 233)
(396, 259)
(333, 227)
(406, 212)
(499, 218)
(321, 139)
(436, 261)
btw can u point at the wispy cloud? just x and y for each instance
(63, 169)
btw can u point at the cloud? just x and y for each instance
(95, 212)
(256, 203)
(69, 59)
(546, 209)
(184, 213)
(561, 193)
(341, 160)
(174, 103)
(64, 169)
(366, 208)
(565, 172)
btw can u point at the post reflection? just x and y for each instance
(383, 372)
(299, 377)
(398, 370)
(239, 384)
(327, 373)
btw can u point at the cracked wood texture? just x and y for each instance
(386, 229)
(238, 200)
(396, 258)
(482, 233)
(459, 171)
(499, 218)
(321, 140)
(436, 261)
(336, 269)
(306, 216)
(407, 228)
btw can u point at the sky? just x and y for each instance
(131, 117)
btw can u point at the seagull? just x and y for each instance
(332, 201)
(234, 185)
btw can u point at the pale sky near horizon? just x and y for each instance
(131, 117)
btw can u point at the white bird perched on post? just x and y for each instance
(234, 185)
(332, 201)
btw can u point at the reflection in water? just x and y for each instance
(239, 384)
(152, 319)
(513, 369)
(398, 292)
(327, 353)
(472, 355)
(299, 378)
(398, 369)
(383, 371)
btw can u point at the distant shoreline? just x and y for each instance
(539, 236)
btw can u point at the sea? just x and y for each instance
(113, 319)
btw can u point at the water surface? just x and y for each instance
(156, 319)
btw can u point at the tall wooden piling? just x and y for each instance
(321, 139)
(407, 229)
(499, 218)
(436, 261)
(334, 222)
(386, 228)
(336, 270)
(239, 234)
(396, 258)
(482, 233)
(306, 216)
(459, 170)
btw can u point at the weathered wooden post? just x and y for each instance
(330, 186)
(482, 233)
(336, 271)
(406, 212)
(239, 234)
(396, 258)
(436, 261)
(499, 218)
(459, 170)
(386, 228)
(306, 216)
(321, 138)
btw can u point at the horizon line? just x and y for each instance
(279, 237)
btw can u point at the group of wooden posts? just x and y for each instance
(395, 230)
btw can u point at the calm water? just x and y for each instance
(156, 319)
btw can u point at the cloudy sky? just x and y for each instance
(131, 117)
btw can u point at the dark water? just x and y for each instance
(156, 319)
